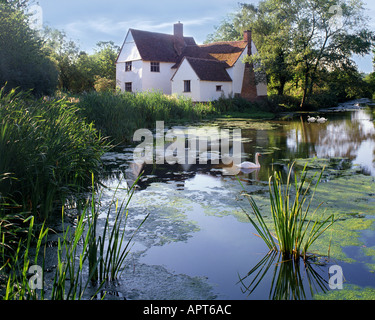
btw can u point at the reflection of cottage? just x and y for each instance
(175, 64)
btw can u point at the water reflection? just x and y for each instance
(291, 279)
(196, 227)
(348, 135)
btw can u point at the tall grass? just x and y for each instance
(47, 153)
(296, 229)
(79, 249)
(108, 251)
(118, 115)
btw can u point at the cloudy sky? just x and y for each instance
(90, 21)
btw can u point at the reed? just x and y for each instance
(290, 279)
(47, 153)
(17, 265)
(296, 229)
(70, 282)
(79, 249)
(108, 251)
(118, 115)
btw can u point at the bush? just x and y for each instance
(323, 99)
(104, 84)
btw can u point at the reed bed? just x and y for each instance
(295, 228)
(119, 114)
(48, 153)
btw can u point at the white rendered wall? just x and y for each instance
(236, 73)
(134, 76)
(208, 90)
(157, 81)
(129, 50)
(185, 72)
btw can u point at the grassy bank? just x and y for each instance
(119, 115)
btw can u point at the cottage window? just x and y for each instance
(219, 88)
(128, 87)
(187, 87)
(128, 66)
(155, 66)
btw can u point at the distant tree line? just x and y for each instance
(306, 47)
(44, 61)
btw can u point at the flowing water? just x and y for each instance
(198, 243)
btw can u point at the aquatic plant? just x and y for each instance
(78, 249)
(295, 229)
(108, 251)
(290, 281)
(17, 265)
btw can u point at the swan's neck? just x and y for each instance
(256, 159)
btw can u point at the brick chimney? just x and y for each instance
(248, 39)
(249, 89)
(179, 42)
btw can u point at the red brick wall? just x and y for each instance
(249, 90)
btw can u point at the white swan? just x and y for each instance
(311, 119)
(251, 165)
(321, 120)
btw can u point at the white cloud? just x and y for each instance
(110, 27)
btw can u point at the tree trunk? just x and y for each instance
(305, 88)
(281, 86)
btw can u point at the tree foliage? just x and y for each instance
(24, 64)
(79, 71)
(300, 40)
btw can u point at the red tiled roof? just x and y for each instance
(228, 51)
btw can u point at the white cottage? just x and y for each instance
(175, 64)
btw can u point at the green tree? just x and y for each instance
(325, 35)
(105, 58)
(79, 71)
(23, 61)
(18, 4)
(270, 34)
(105, 62)
(301, 39)
(65, 53)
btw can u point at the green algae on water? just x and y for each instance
(349, 292)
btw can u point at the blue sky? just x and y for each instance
(90, 21)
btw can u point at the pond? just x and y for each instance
(198, 243)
